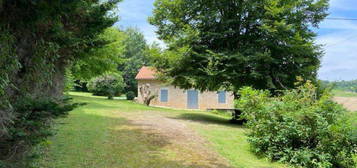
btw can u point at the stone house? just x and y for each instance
(173, 97)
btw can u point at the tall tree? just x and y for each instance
(135, 57)
(233, 43)
(39, 39)
(99, 60)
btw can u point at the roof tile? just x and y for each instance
(146, 73)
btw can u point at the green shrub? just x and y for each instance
(298, 128)
(130, 95)
(31, 126)
(80, 86)
(110, 84)
(69, 81)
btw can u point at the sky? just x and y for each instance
(339, 37)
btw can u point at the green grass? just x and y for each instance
(341, 93)
(352, 115)
(354, 125)
(99, 135)
(232, 144)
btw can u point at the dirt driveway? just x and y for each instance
(192, 149)
(348, 102)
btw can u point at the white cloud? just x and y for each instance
(151, 36)
(340, 60)
(343, 4)
(340, 40)
(339, 25)
(134, 13)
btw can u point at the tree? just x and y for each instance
(227, 44)
(350, 86)
(99, 60)
(39, 40)
(109, 84)
(299, 128)
(135, 58)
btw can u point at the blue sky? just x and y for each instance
(339, 37)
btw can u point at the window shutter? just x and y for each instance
(164, 94)
(222, 97)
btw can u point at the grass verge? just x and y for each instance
(341, 93)
(100, 134)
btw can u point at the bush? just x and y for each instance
(69, 81)
(110, 84)
(130, 95)
(31, 126)
(298, 128)
(80, 86)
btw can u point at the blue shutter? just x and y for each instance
(222, 97)
(164, 94)
(192, 99)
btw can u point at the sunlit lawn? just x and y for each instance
(341, 93)
(98, 136)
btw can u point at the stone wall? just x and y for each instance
(177, 98)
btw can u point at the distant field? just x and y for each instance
(341, 93)
(347, 99)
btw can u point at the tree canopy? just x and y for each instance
(342, 85)
(39, 40)
(233, 43)
(135, 56)
(99, 60)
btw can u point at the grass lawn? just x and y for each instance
(354, 124)
(103, 134)
(341, 93)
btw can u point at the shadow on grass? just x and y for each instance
(96, 140)
(208, 119)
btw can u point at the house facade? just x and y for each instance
(173, 97)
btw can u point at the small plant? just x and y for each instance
(31, 126)
(110, 85)
(299, 127)
(130, 95)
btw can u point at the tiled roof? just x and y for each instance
(146, 73)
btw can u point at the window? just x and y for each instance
(164, 95)
(222, 97)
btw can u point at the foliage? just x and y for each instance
(109, 84)
(298, 128)
(350, 86)
(103, 59)
(69, 81)
(39, 40)
(31, 126)
(130, 95)
(135, 57)
(8, 65)
(233, 43)
(80, 86)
